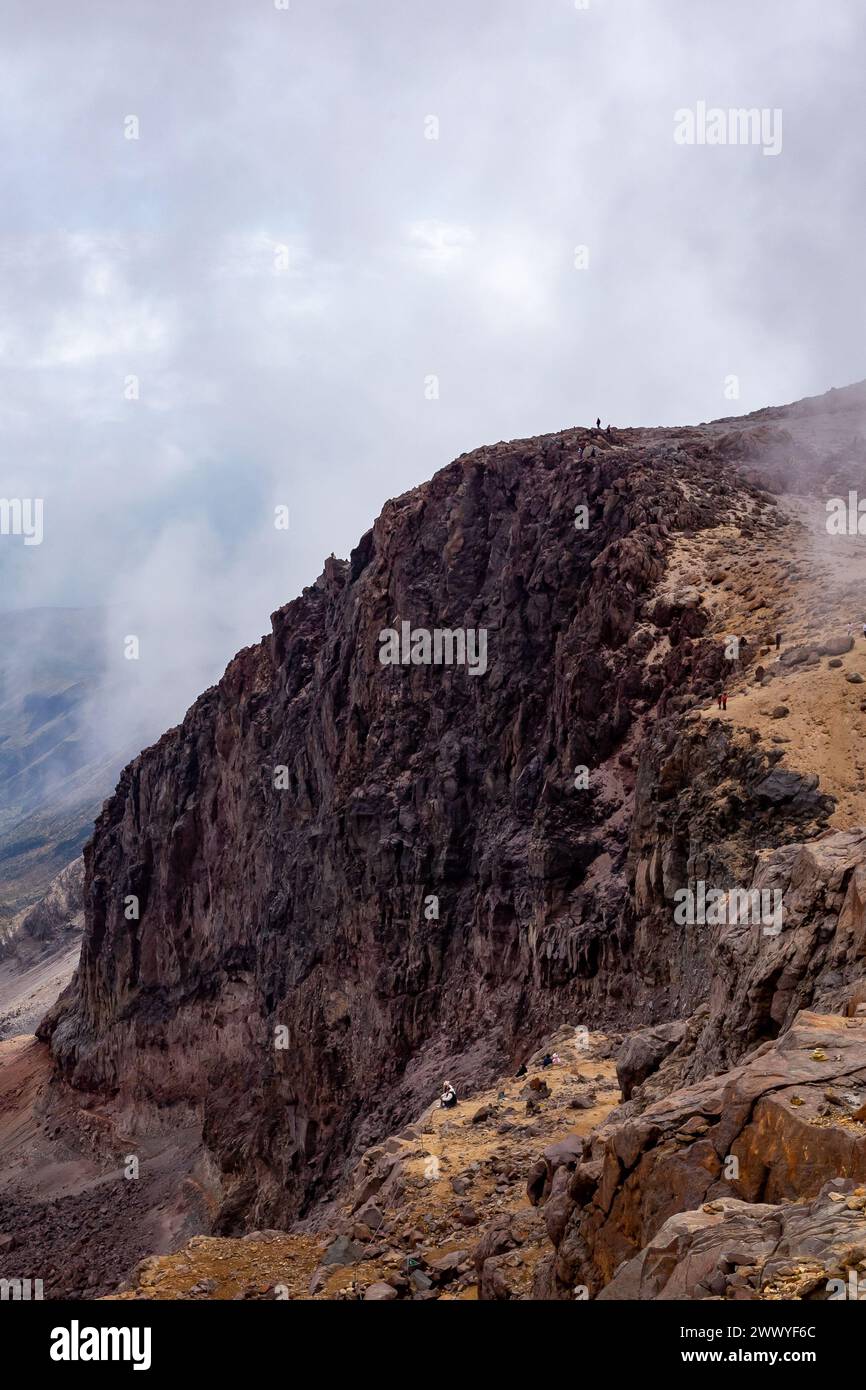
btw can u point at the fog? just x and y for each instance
(244, 306)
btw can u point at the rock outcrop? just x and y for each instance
(727, 1249)
(643, 1052)
(773, 1130)
(39, 956)
(57, 916)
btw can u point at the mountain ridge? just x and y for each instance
(353, 880)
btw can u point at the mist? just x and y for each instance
(257, 257)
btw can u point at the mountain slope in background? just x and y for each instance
(62, 745)
(52, 782)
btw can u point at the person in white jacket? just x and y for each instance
(448, 1097)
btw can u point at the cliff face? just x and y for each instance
(339, 881)
(306, 905)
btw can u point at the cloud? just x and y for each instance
(284, 255)
(439, 245)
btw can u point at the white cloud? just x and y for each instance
(438, 245)
(303, 382)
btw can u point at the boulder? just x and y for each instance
(565, 1153)
(642, 1053)
(796, 656)
(486, 1112)
(539, 1086)
(467, 1215)
(782, 784)
(380, 1293)
(446, 1267)
(370, 1216)
(837, 646)
(583, 1100)
(343, 1251)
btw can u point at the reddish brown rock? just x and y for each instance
(813, 1250)
(763, 1132)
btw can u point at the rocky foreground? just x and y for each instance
(727, 1189)
(339, 882)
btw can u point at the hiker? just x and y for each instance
(556, 1059)
(448, 1098)
(598, 423)
(720, 699)
(521, 1070)
(547, 1060)
(580, 452)
(724, 701)
(608, 432)
(779, 637)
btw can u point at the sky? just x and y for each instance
(304, 253)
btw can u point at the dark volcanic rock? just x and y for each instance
(783, 785)
(352, 881)
(347, 871)
(644, 1051)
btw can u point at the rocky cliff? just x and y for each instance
(339, 881)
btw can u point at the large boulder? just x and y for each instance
(797, 656)
(837, 646)
(343, 1251)
(380, 1293)
(565, 1153)
(783, 784)
(642, 1053)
